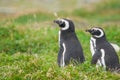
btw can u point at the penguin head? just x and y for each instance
(65, 24)
(96, 32)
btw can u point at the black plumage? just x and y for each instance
(70, 47)
(103, 52)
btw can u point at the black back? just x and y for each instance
(111, 58)
(74, 49)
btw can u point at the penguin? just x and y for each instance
(69, 46)
(103, 53)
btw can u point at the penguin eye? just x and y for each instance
(61, 22)
(93, 30)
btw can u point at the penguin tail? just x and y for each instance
(116, 69)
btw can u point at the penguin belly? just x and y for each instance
(63, 56)
(70, 53)
(74, 51)
(93, 49)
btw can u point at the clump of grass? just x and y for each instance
(44, 67)
(9, 38)
(31, 41)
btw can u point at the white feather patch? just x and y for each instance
(102, 33)
(66, 24)
(63, 55)
(98, 64)
(116, 47)
(92, 45)
(103, 58)
(59, 37)
(93, 49)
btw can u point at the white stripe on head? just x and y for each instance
(101, 34)
(66, 24)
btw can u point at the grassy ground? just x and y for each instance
(29, 45)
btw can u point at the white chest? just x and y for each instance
(101, 61)
(62, 61)
(92, 45)
(59, 34)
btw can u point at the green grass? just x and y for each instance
(22, 66)
(29, 46)
(109, 5)
(32, 54)
(33, 17)
(99, 17)
(14, 40)
(103, 12)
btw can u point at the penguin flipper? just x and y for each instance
(96, 56)
(60, 55)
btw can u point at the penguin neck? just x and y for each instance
(66, 34)
(101, 40)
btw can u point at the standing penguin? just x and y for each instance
(70, 47)
(103, 54)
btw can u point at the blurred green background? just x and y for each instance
(29, 38)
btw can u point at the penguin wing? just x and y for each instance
(60, 55)
(96, 56)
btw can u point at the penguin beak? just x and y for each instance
(89, 30)
(59, 22)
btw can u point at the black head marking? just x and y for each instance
(61, 23)
(65, 24)
(96, 32)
